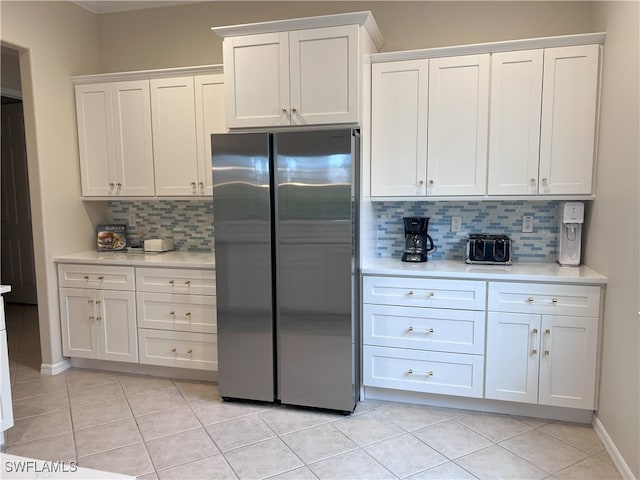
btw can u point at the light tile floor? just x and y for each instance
(158, 428)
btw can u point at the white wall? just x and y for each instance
(614, 228)
(55, 40)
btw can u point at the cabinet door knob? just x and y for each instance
(554, 300)
(284, 110)
(545, 181)
(201, 188)
(294, 110)
(530, 299)
(533, 182)
(90, 302)
(98, 318)
(97, 302)
(430, 182)
(421, 182)
(111, 185)
(190, 351)
(410, 292)
(534, 352)
(119, 185)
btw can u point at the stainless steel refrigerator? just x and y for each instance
(285, 229)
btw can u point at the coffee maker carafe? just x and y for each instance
(417, 242)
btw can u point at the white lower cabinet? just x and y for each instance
(177, 317)
(424, 335)
(98, 323)
(154, 316)
(540, 356)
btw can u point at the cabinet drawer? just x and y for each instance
(457, 331)
(178, 349)
(176, 280)
(96, 276)
(418, 371)
(424, 292)
(187, 313)
(575, 300)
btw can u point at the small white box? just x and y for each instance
(156, 245)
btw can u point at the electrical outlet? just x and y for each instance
(132, 218)
(527, 223)
(456, 223)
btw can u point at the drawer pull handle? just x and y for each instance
(427, 330)
(534, 331)
(100, 278)
(98, 318)
(430, 294)
(190, 351)
(86, 277)
(98, 302)
(173, 349)
(187, 282)
(170, 282)
(172, 313)
(410, 293)
(91, 317)
(555, 300)
(188, 314)
(530, 299)
(428, 374)
(90, 302)
(534, 352)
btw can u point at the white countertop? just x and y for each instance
(5, 289)
(527, 272)
(166, 259)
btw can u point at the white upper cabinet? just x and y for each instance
(296, 72)
(499, 119)
(516, 96)
(458, 124)
(114, 137)
(569, 104)
(174, 136)
(148, 133)
(399, 127)
(210, 118)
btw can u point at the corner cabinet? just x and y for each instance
(149, 136)
(297, 72)
(542, 343)
(486, 120)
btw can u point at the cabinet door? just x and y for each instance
(512, 357)
(256, 78)
(116, 321)
(516, 95)
(78, 318)
(324, 76)
(174, 136)
(568, 119)
(209, 91)
(94, 115)
(133, 140)
(458, 123)
(398, 128)
(568, 361)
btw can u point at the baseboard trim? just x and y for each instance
(141, 369)
(54, 368)
(612, 450)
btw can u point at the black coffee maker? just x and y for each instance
(417, 242)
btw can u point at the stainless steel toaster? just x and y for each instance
(488, 249)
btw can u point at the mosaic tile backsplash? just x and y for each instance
(189, 223)
(495, 217)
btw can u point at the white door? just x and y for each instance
(116, 323)
(514, 133)
(568, 361)
(94, 115)
(324, 75)
(17, 263)
(210, 118)
(78, 320)
(569, 99)
(512, 357)
(174, 136)
(458, 125)
(256, 76)
(133, 139)
(398, 128)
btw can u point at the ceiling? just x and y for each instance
(111, 6)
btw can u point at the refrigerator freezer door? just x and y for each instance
(243, 251)
(315, 235)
